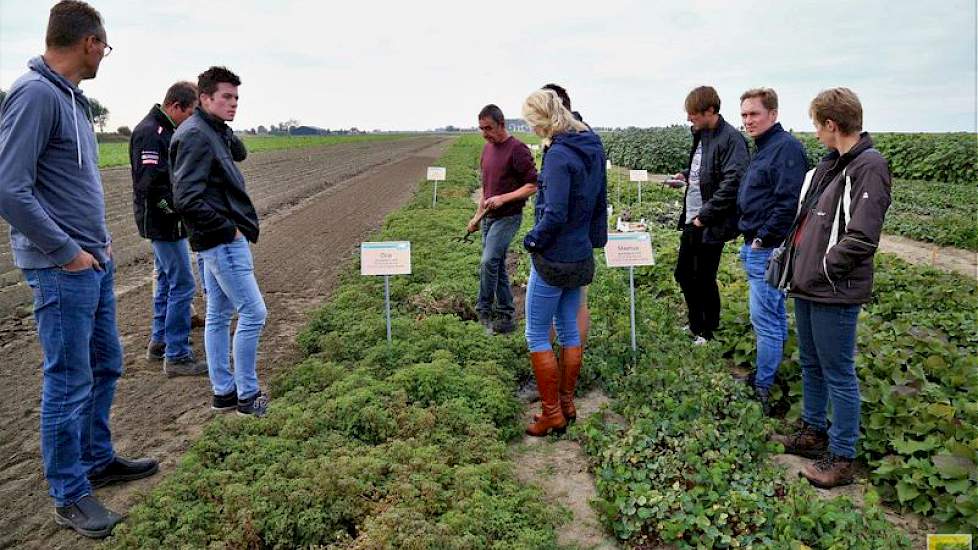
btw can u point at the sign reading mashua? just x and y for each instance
(629, 249)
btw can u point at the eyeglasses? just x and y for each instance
(108, 49)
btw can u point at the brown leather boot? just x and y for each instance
(806, 441)
(570, 368)
(551, 419)
(829, 471)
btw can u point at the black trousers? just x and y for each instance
(696, 273)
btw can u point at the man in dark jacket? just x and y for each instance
(157, 220)
(51, 195)
(210, 194)
(716, 163)
(832, 249)
(767, 200)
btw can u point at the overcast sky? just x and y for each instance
(424, 64)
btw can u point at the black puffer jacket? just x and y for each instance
(725, 158)
(208, 188)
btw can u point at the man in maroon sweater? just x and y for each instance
(509, 177)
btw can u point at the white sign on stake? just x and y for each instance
(629, 250)
(386, 258)
(534, 147)
(436, 173)
(638, 175)
(607, 164)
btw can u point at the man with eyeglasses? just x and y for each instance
(51, 195)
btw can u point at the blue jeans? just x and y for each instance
(546, 305)
(174, 293)
(827, 348)
(494, 288)
(767, 315)
(75, 314)
(229, 277)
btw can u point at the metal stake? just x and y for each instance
(387, 306)
(434, 196)
(631, 288)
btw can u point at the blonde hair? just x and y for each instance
(840, 105)
(544, 110)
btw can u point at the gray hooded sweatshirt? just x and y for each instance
(50, 187)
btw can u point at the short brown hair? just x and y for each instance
(840, 105)
(208, 80)
(701, 99)
(71, 21)
(182, 94)
(769, 98)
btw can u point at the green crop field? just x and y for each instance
(367, 445)
(117, 154)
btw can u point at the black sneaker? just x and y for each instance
(256, 405)
(504, 325)
(155, 351)
(184, 366)
(123, 469)
(225, 403)
(88, 517)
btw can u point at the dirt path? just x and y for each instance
(955, 260)
(304, 200)
(560, 468)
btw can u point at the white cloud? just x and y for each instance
(425, 64)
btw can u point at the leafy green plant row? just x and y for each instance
(948, 158)
(365, 445)
(691, 466)
(917, 361)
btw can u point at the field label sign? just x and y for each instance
(638, 175)
(385, 258)
(629, 249)
(436, 173)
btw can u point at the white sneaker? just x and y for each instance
(699, 341)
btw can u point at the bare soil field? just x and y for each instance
(316, 205)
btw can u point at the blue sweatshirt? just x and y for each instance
(768, 196)
(50, 187)
(572, 205)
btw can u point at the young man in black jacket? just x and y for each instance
(210, 194)
(709, 218)
(158, 220)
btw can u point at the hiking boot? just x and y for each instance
(88, 517)
(225, 403)
(807, 441)
(256, 405)
(829, 471)
(504, 325)
(184, 366)
(551, 418)
(155, 351)
(123, 469)
(763, 396)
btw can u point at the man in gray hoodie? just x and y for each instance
(51, 195)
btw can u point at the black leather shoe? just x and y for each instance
(88, 517)
(123, 469)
